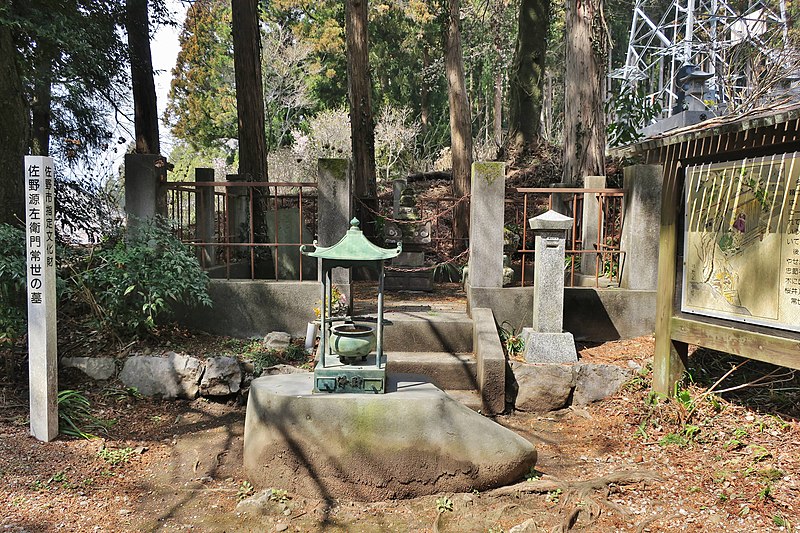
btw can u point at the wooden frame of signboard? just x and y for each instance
(729, 139)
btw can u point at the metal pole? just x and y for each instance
(328, 305)
(379, 345)
(322, 318)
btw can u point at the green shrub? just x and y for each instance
(139, 276)
(12, 283)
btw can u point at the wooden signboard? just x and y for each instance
(741, 257)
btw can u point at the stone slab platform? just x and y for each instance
(412, 441)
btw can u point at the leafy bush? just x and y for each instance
(12, 283)
(140, 276)
(631, 110)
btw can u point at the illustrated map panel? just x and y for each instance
(742, 241)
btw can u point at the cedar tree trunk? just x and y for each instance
(526, 77)
(584, 94)
(460, 125)
(362, 123)
(13, 133)
(144, 90)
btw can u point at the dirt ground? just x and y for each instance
(709, 462)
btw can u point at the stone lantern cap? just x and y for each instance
(550, 221)
(354, 246)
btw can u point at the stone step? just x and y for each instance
(469, 398)
(446, 370)
(428, 331)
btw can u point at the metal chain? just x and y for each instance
(429, 267)
(430, 218)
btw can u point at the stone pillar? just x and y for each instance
(592, 223)
(334, 211)
(144, 195)
(397, 190)
(486, 219)
(545, 342)
(640, 230)
(561, 202)
(41, 295)
(238, 210)
(204, 214)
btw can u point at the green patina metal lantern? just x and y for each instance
(343, 346)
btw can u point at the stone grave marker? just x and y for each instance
(545, 342)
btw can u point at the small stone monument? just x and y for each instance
(413, 236)
(545, 342)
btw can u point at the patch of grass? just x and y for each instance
(117, 456)
(766, 492)
(533, 475)
(554, 495)
(279, 495)
(673, 439)
(780, 521)
(770, 474)
(263, 357)
(122, 394)
(444, 504)
(245, 489)
(759, 452)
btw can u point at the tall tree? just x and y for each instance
(145, 109)
(586, 58)
(526, 77)
(249, 89)
(362, 123)
(14, 132)
(202, 99)
(63, 64)
(460, 122)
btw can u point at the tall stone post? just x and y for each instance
(486, 220)
(398, 185)
(592, 223)
(238, 210)
(334, 211)
(145, 196)
(205, 216)
(41, 284)
(641, 226)
(545, 342)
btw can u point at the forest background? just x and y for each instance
(442, 83)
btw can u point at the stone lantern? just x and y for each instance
(346, 359)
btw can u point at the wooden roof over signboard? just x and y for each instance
(786, 114)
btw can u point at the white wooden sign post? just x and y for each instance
(41, 259)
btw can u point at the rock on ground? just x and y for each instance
(223, 376)
(99, 368)
(174, 376)
(595, 382)
(548, 387)
(543, 387)
(412, 441)
(277, 340)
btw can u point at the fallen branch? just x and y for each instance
(623, 477)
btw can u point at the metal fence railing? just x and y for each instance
(249, 230)
(601, 249)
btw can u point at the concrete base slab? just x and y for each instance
(549, 347)
(414, 440)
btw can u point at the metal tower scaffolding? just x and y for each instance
(745, 51)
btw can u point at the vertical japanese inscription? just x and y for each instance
(41, 282)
